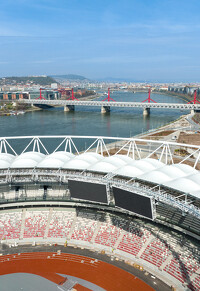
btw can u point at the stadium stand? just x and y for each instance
(156, 252)
(196, 284)
(84, 229)
(60, 224)
(108, 233)
(133, 240)
(171, 253)
(10, 225)
(35, 223)
(154, 176)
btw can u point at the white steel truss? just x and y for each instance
(165, 151)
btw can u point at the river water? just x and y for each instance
(120, 122)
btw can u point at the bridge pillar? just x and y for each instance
(193, 111)
(105, 109)
(68, 108)
(146, 111)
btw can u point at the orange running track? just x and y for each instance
(47, 265)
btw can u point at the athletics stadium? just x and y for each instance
(100, 213)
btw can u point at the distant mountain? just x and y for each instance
(69, 77)
(37, 80)
(116, 80)
(132, 80)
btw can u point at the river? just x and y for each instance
(120, 122)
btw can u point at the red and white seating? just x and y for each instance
(134, 239)
(84, 229)
(156, 252)
(35, 223)
(10, 225)
(107, 235)
(170, 252)
(195, 285)
(183, 265)
(60, 224)
(176, 269)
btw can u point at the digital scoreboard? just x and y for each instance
(133, 202)
(88, 191)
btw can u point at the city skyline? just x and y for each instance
(138, 40)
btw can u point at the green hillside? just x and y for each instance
(37, 80)
(70, 77)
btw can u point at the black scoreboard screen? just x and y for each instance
(88, 191)
(133, 202)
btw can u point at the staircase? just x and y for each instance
(67, 285)
(23, 224)
(144, 246)
(72, 227)
(119, 239)
(48, 223)
(96, 232)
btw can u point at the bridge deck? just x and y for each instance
(182, 106)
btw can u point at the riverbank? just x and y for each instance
(169, 132)
(16, 109)
(196, 118)
(179, 124)
(184, 97)
(19, 111)
(91, 97)
(179, 96)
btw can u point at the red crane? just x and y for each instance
(108, 98)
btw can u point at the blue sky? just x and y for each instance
(154, 40)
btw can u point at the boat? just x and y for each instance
(20, 112)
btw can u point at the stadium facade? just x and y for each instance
(135, 199)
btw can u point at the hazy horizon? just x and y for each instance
(107, 79)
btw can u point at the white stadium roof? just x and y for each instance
(27, 160)
(7, 157)
(23, 163)
(185, 185)
(4, 164)
(76, 164)
(180, 177)
(50, 162)
(6, 160)
(129, 171)
(55, 160)
(103, 167)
